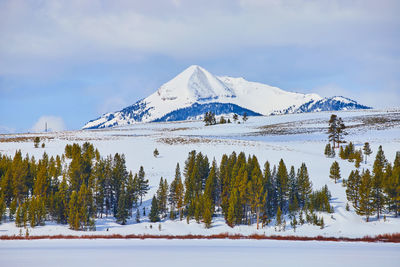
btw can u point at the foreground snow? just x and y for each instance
(295, 138)
(195, 253)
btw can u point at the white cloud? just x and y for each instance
(54, 124)
(118, 30)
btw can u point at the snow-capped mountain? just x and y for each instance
(194, 91)
(325, 104)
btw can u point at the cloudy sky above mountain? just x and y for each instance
(74, 60)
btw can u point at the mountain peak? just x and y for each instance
(193, 68)
(194, 84)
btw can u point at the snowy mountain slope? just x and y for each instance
(197, 110)
(196, 85)
(263, 98)
(325, 104)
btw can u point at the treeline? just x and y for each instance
(238, 189)
(80, 185)
(209, 118)
(376, 192)
(73, 188)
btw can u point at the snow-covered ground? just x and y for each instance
(193, 253)
(296, 138)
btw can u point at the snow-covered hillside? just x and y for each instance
(185, 96)
(296, 138)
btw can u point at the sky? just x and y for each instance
(67, 62)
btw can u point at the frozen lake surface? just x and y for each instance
(195, 253)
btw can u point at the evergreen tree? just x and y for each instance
(377, 181)
(156, 153)
(367, 151)
(119, 179)
(82, 205)
(41, 210)
(211, 186)
(36, 141)
(231, 216)
(256, 189)
(137, 216)
(293, 191)
(109, 196)
(162, 197)
(61, 202)
(336, 130)
(42, 182)
(396, 162)
(131, 193)
(2, 207)
(224, 182)
(12, 209)
(6, 187)
(245, 117)
(349, 152)
(172, 196)
(154, 213)
(366, 205)
(123, 210)
(19, 217)
(282, 185)
(340, 131)
(304, 184)
(75, 167)
(178, 192)
(206, 118)
(328, 150)
(353, 187)
(208, 211)
(392, 187)
(198, 207)
(25, 213)
(143, 184)
(341, 153)
(37, 211)
(19, 172)
(293, 205)
(31, 212)
(335, 171)
(73, 214)
(294, 223)
(99, 193)
(209, 118)
(279, 220)
(235, 117)
(358, 158)
(332, 130)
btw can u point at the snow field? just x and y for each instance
(195, 253)
(138, 141)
